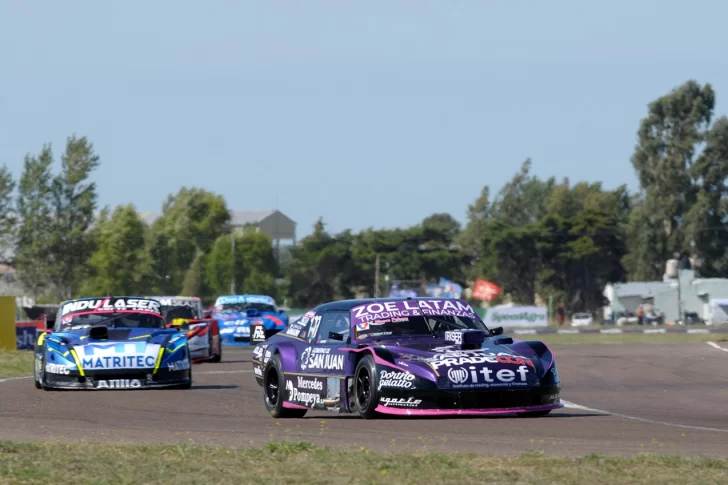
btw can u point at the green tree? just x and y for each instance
(119, 262)
(318, 271)
(191, 222)
(194, 283)
(522, 200)
(73, 204)
(8, 216)
(665, 160)
(470, 238)
(254, 265)
(34, 231)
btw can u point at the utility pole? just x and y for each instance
(376, 278)
(232, 282)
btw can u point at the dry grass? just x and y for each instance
(16, 363)
(293, 462)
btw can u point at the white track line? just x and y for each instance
(713, 344)
(572, 405)
(208, 372)
(14, 378)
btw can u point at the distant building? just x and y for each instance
(697, 296)
(272, 222)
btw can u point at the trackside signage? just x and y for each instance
(516, 316)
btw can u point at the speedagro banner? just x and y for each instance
(517, 316)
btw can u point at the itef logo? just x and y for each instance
(457, 376)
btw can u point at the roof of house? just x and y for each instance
(238, 218)
(639, 288)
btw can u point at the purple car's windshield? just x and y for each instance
(414, 318)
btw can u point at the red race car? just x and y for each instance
(187, 314)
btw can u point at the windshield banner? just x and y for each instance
(107, 305)
(516, 316)
(403, 309)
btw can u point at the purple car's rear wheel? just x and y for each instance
(366, 395)
(274, 390)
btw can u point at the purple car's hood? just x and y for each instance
(509, 365)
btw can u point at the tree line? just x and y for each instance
(532, 237)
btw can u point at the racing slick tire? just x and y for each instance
(36, 373)
(217, 358)
(366, 395)
(534, 414)
(273, 388)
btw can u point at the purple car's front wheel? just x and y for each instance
(365, 388)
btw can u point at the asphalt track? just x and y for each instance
(621, 399)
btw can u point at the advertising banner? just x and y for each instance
(26, 333)
(516, 316)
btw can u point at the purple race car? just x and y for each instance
(414, 356)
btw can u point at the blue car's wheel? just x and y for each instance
(274, 386)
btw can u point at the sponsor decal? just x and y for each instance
(362, 326)
(179, 365)
(178, 302)
(234, 323)
(315, 323)
(310, 383)
(257, 371)
(555, 373)
(402, 380)
(401, 402)
(119, 384)
(57, 369)
(293, 330)
(466, 378)
(301, 397)
(118, 356)
(120, 362)
(456, 337)
(310, 314)
(458, 358)
(321, 358)
(404, 309)
(259, 333)
(104, 305)
(267, 356)
(242, 330)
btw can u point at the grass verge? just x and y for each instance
(294, 462)
(16, 363)
(623, 338)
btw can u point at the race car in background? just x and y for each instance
(111, 343)
(236, 313)
(407, 357)
(187, 315)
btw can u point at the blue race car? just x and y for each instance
(111, 343)
(236, 313)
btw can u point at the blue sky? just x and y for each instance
(373, 113)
